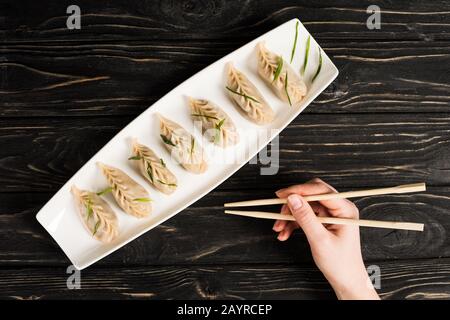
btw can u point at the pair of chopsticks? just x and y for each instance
(416, 187)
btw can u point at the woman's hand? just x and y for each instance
(336, 249)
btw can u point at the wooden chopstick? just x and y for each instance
(415, 187)
(332, 220)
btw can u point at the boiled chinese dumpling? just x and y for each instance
(247, 97)
(182, 146)
(216, 124)
(97, 216)
(279, 76)
(153, 168)
(130, 196)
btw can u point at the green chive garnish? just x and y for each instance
(243, 95)
(105, 191)
(192, 145)
(295, 42)
(162, 162)
(135, 158)
(97, 224)
(319, 67)
(278, 70)
(150, 173)
(218, 127)
(286, 89)
(142, 199)
(305, 61)
(167, 140)
(167, 184)
(90, 212)
(220, 124)
(204, 116)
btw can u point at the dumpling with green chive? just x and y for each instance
(278, 74)
(96, 215)
(153, 168)
(182, 146)
(247, 97)
(216, 125)
(129, 195)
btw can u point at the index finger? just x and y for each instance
(336, 207)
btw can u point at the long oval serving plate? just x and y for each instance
(59, 216)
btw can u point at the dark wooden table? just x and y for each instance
(384, 121)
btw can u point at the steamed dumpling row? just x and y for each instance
(218, 127)
(99, 218)
(277, 73)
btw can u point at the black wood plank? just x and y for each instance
(221, 19)
(81, 87)
(124, 79)
(191, 237)
(410, 279)
(346, 150)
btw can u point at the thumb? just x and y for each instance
(306, 218)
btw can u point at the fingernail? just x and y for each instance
(275, 226)
(294, 202)
(279, 191)
(281, 236)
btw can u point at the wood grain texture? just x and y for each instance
(346, 150)
(384, 121)
(191, 237)
(126, 78)
(125, 20)
(410, 279)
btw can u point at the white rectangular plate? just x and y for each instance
(59, 216)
